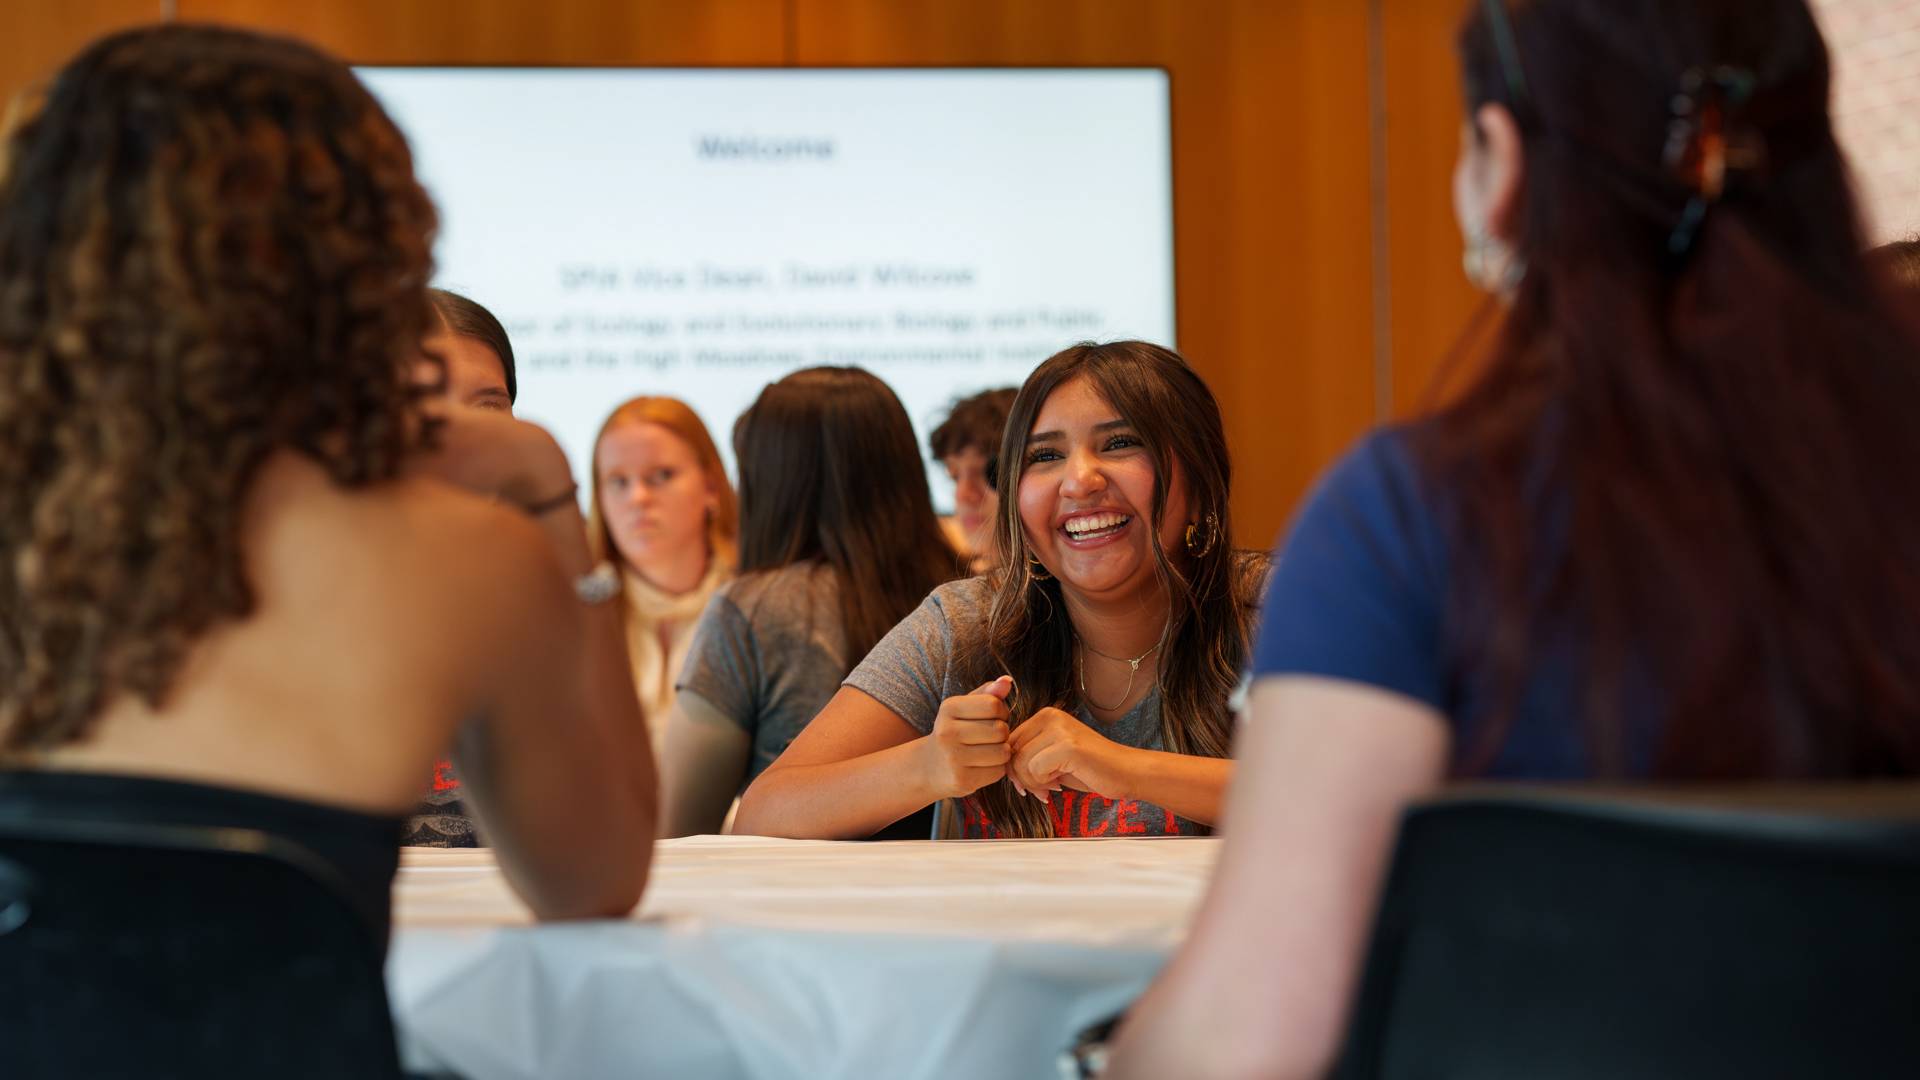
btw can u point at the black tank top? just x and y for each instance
(363, 849)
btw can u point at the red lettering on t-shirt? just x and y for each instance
(1173, 822)
(1086, 803)
(1124, 824)
(974, 822)
(1060, 808)
(443, 778)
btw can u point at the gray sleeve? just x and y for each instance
(907, 670)
(723, 663)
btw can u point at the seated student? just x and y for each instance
(663, 512)
(474, 349)
(965, 442)
(1667, 534)
(244, 580)
(471, 365)
(838, 544)
(1080, 688)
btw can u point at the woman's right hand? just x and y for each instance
(967, 749)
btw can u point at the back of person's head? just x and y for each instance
(679, 419)
(830, 472)
(1693, 437)
(212, 248)
(975, 423)
(467, 318)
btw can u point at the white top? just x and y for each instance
(659, 630)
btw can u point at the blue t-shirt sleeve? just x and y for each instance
(1357, 590)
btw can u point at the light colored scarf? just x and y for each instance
(655, 668)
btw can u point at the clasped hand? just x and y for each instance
(972, 746)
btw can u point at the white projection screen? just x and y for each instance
(700, 233)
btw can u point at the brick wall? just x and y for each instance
(1876, 102)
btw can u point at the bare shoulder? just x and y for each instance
(383, 617)
(408, 557)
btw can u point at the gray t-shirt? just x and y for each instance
(940, 651)
(769, 652)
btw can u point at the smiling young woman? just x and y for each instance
(1080, 688)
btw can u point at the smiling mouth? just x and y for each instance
(1095, 526)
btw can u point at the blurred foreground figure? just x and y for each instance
(240, 570)
(1667, 533)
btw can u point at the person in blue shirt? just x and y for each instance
(1668, 533)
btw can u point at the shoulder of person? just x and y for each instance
(782, 590)
(1384, 461)
(964, 600)
(1377, 487)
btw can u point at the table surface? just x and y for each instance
(754, 957)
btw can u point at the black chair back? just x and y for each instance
(134, 950)
(1525, 937)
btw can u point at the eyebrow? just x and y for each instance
(1056, 436)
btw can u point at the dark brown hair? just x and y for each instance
(1212, 595)
(1695, 446)
(212, 248)
(976, 423)
(829, 473)
(465, 316)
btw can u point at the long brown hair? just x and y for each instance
(1694, 438)
(1212, 594)
(830, 473)
(212, 247)
(723, 528)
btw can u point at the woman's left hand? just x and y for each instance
(1054, 748)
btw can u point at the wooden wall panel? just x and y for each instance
(1270, 191)
(36, 38)
(662, 32)
(1431, 302)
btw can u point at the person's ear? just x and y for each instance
(1506, 169)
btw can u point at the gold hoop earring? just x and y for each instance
(1036, 570)
(1198, 546)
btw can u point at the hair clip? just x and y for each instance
(1706, 141)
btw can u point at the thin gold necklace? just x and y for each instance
(1133, 669)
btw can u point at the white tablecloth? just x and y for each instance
(764, 958)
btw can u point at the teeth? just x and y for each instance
(1094, 523)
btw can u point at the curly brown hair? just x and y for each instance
(212, 248)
